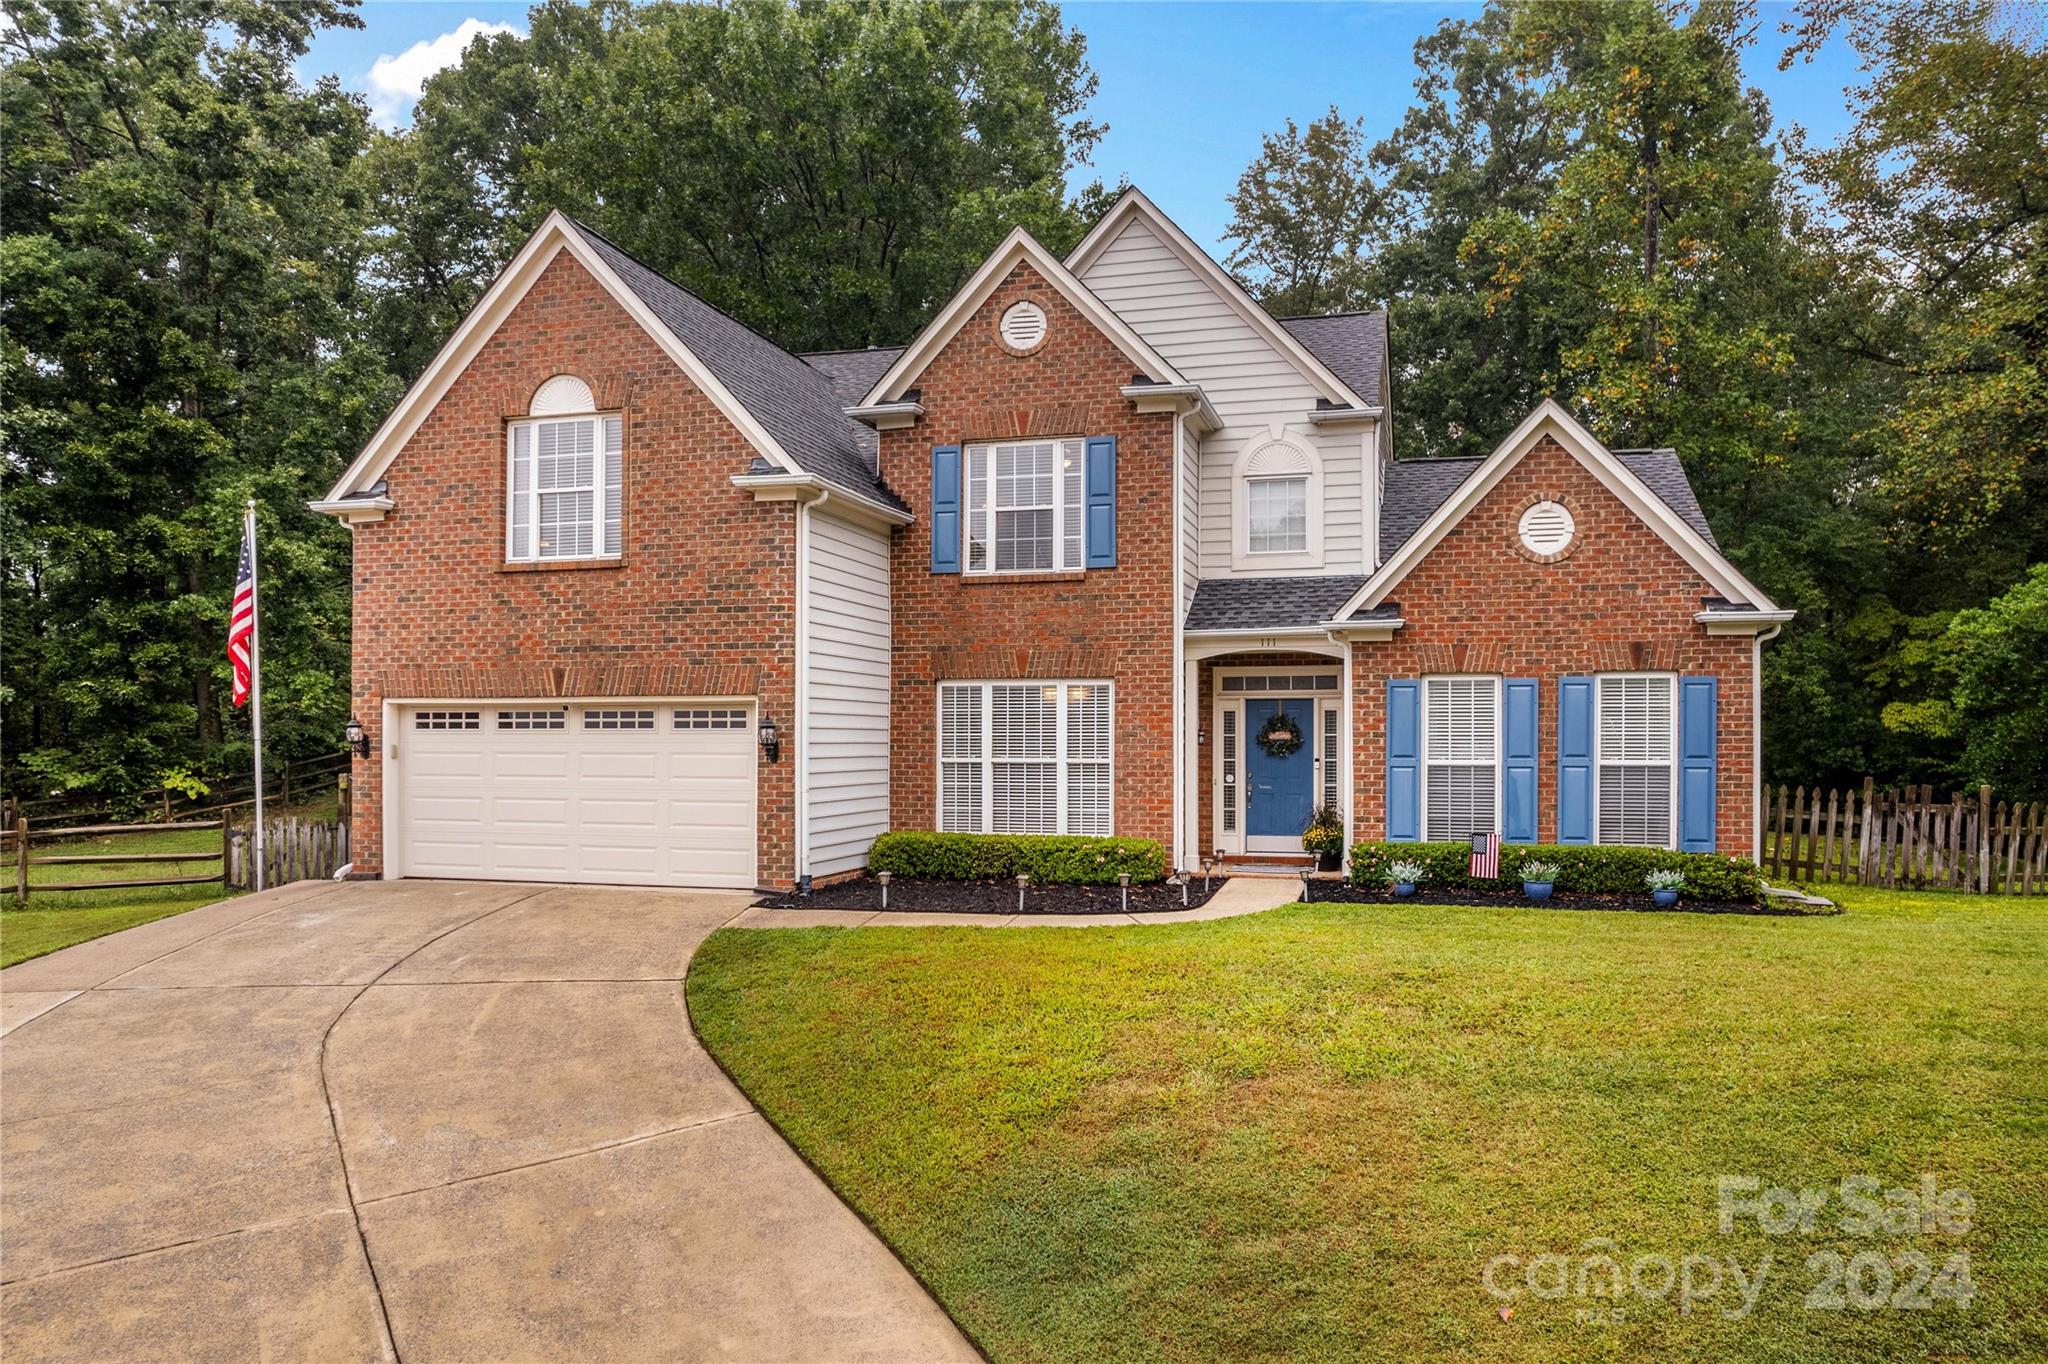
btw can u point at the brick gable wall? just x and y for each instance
(1103, 623)
(702, 603)
(1621, 601)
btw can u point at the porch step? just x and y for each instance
(1271, 859)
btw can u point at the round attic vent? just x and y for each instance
(1547, 528)
(1023, 326)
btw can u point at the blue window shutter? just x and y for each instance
(1575, 760)
(1518, 760)
(945, 509)
(1101, 502)
(1698, 752)
(1404, 761)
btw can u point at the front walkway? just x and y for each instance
(428, 1120)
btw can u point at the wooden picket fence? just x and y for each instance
(293, 850)
(1906, 839)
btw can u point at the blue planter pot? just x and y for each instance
(1663, 899)
(1403, 889)
(1538, 891)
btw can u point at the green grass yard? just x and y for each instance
(1305, 1134)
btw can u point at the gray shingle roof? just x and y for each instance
(1352, 345)
(1268, 603)
(796, 403)
(853, 372)
(1665, 476)
(1414, 489)
(1417, 487)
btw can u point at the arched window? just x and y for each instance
(1279, 506)
(563, 487)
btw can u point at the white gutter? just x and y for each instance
(886, 416)
(820, 490)
(352, 509)
(1328, 416)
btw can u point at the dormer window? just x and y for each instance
(563, 478)
(1278, 514)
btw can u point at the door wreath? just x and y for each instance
(1279, 736)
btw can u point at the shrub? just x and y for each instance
(1049, 859)
(1580, 870)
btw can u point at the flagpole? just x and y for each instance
(255, 680)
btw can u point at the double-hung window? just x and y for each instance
(1634, 737)
(1278, 512)
(1460, 756)
(564, 489)
(1024, 757)
(1024, 506)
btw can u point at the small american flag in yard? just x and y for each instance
(242, 616)
(1485, 856)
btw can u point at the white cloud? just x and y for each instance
(395, 81)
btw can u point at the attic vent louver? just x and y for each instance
(1023, 326)
(1547, 528)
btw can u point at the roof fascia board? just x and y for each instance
(1019, 246)
(1551, 418)
(1227, 288)
(555, 235)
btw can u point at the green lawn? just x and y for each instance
(1305, 1134)
(61, 918)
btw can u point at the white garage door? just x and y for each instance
(625, 793)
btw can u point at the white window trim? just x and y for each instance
(987, 448)
(987, 760)
(1296, 458)
(1671, 841)
(1422, 745)
(1235, 841)
(600, 508)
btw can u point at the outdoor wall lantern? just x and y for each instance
(771, 740)
(358, 742)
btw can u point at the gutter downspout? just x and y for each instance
(1756, 739)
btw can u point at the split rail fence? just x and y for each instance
(294, 849)
(1906, 839)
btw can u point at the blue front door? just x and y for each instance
(1279, 790)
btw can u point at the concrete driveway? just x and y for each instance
(414, 1120)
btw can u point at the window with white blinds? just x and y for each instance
(1635, 735)
(1024, 506)
(1460, 756)
(565, 489)
(1024, 757)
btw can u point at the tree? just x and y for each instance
(1301, 213)
(1479, 140)
(182, 230)
(827, 173)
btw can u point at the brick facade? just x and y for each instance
(1114, 623)
(1621, 600)
(702, 602)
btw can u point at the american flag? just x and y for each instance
(242, 616)
(1485, 856)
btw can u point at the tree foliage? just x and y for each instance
(1302, 210)
(1843, 343)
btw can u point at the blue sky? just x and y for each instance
(1186, 88)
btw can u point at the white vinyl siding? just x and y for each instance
(1460, 756)
(1024, 506)
(1253, 387)
(846, 711)
(564, 489)
(1635, 738)
(1025, 757)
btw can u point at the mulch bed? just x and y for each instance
(1343, 892)
(995, 897)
